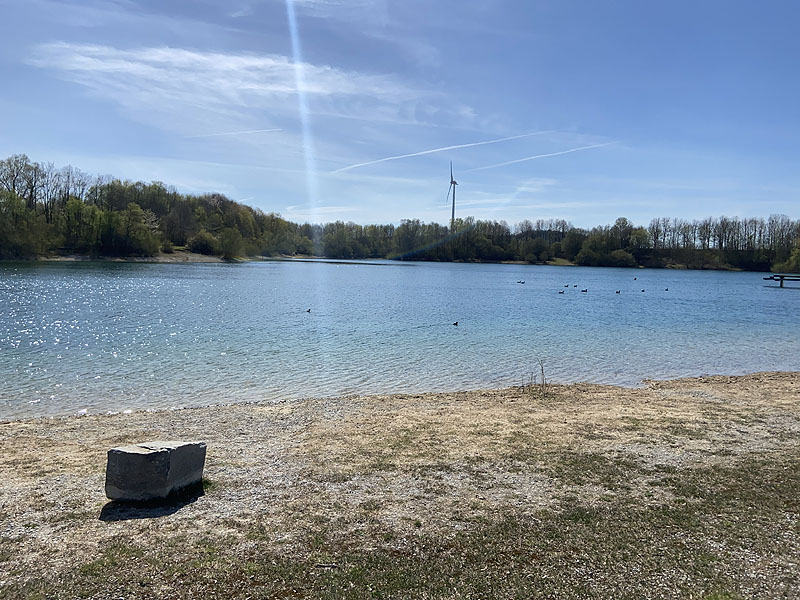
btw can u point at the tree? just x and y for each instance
(12, 173)
(22, 233)
(621, 232)
(230, 243)
(140, 236)
(572, 243)
(792, 265)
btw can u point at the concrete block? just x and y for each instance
(153, 470)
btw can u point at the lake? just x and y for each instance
(106, 336)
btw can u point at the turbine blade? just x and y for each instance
(451, 170)
(447, 198)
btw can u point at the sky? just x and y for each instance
(353, 110)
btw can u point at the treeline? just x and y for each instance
(48, 210)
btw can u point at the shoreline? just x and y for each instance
(178, 257)
(334, 497)
(563, 387)
(182, 256)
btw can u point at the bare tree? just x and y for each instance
(654, 229)
(32, 179)
(49, 190)
(12, 173)
(81, 182)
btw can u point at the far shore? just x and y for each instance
(687, 488)
(179, 256)
(183, 256)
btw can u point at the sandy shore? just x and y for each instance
(361, 497)
(179, 256)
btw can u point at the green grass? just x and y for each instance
(209, 485)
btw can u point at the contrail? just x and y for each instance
(380, 160)
(233, 133)
(519, 160)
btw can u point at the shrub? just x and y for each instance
(621, 258)
(203, 243)
(790, 266)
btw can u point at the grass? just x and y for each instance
(491, 499)
(209, 485)
(696, 545)
(6, 545)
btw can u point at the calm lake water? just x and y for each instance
(100, 337)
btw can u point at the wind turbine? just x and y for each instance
(452, 188)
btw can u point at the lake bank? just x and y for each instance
(684, 488)
(179, 256)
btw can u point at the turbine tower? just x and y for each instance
(452, 188)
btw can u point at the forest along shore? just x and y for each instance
(684, 488)
(45, 211)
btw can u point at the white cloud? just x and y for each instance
(183, 90)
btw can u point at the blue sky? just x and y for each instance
(616, 108)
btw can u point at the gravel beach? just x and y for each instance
(684, 488)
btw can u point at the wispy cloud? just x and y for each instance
(233, 133)
(186, 89)
(527, 158)
(316, 212)
(344, 9)
(442, 149)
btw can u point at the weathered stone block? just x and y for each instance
(153, 469)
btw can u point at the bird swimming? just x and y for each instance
(456, 323)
